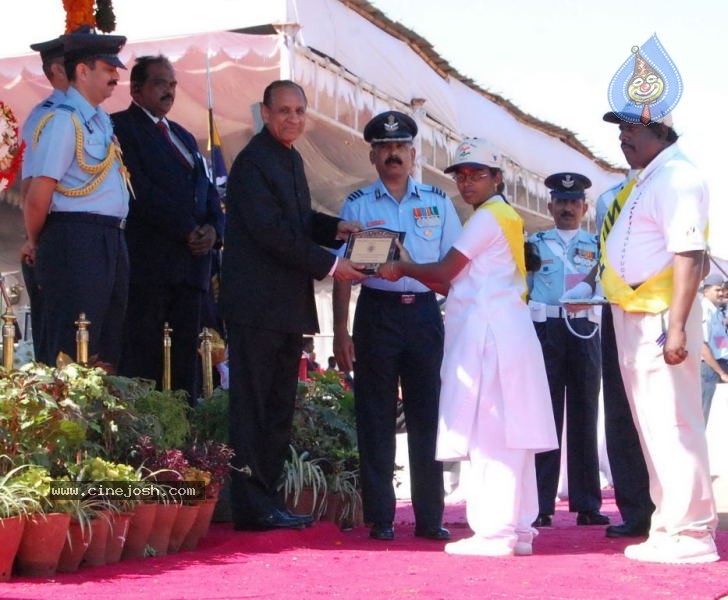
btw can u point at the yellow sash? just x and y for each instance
(652, 296)
(512, 225)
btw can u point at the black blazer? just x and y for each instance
(272, 240)
(169, 202)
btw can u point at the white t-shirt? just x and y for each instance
(666, 213)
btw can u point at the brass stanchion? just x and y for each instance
(8, 338)
(82, 339)
(206, 350)
(167, 344)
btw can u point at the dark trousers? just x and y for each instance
(82, 266)
(573, 367)
(398, 343)
(263, 380)
(709, 381)
(36, 311)
(150, 306)
(629, 472)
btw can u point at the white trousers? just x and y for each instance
(501, 493)
(666, 407)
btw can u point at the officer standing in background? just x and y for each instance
(573, 364)
(626, 460)
(398, 332)
(51, 55)
(76, 206)
(714, 353)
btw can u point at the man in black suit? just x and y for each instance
(272, 254)
(175, 221)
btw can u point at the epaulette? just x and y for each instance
(47, 104)
(66, 107)
(539, 235)
(354, 195)
(436, 190)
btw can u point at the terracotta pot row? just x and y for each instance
(43, 544)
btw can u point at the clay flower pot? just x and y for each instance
(186, 516)
(77, 542)
(41, 545)
(118, 531)
(11, 531)
(162, 528)
(95, 555)
(201, 525)
(140, 526)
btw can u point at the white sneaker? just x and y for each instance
(679, 549)
(479, 546)
(523, 549)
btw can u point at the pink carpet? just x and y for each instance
(322, 562)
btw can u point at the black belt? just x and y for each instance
(86, 217)
(398, 297)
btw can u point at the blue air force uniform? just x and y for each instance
(573, 365)
(398, 337)
(81, 260)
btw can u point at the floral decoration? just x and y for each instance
(11, 147)
(78, 13)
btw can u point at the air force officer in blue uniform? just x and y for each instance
(398, 332)
(573, 364)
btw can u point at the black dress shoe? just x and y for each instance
(542, 521)
(436, 533)
(627, 530)
(276, 519)
(307, 520)
(592, 517)
(382, 531)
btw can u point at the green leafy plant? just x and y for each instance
(170, 409)
(300, 472)
(344, 484)
(16, 497)
(209, 418)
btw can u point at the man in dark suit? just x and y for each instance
(272, 254)
(175, 221)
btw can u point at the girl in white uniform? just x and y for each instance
(495, 408)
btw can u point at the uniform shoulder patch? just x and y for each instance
(47, 104)
(436, 190)
(67, 108)
(354, 195)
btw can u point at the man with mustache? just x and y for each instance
(398, 332)
(76, 206)
(654, 243)
(573, 364)
(175, 221)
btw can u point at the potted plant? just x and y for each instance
(16, 502)
(304, 484)
(45, 532)
(213, 458)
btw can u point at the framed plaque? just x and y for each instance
(373, 247)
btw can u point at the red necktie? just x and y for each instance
(162, 126)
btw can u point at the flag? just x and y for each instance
(214, 147)
(217, 161)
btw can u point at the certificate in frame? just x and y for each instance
(373, 247)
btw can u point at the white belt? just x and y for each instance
(558, 312)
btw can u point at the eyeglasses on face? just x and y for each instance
(473, 177)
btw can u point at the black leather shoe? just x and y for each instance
(307, 520)
(382, 531)
(436, 533)
(628, 530)
(542, 521)
(592, 517)
(276, 519)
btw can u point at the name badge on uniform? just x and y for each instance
(427, 217)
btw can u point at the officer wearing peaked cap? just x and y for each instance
(573, 365)
(51, 55)
(76, 205)
(398, 331)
